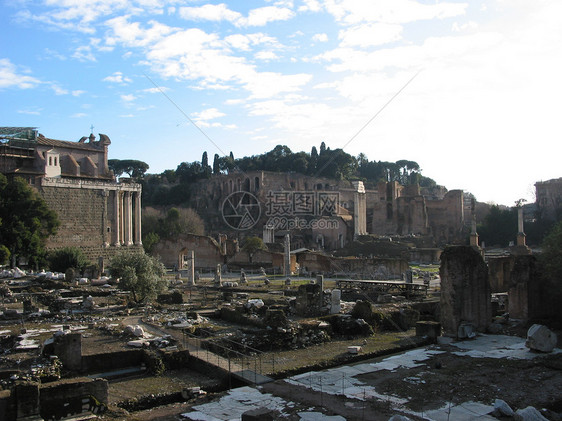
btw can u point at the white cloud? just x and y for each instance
(131, 34)
(78, 115)
(220, 12)
(368, 35)
(157, 90)
(10, 77)
(77, 93)
(263, 15)
(320, 37)
(468, 26)
(244, 42)
(117, 77)
(208, 114)
(268, 84)
(266, 55)
(210, 12)
(81, 16)
(391, 11)
(128, 97)
(84, 53)
(310, 6)
(58, 90)
(30, 112)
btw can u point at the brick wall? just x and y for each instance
(86, 216)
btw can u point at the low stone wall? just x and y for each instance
(73, 395)
(99, 363)
(53, 400)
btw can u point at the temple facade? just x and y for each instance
(98, 214)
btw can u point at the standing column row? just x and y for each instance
(127, 218)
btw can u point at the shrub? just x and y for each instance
(69, 257)
(4, 254)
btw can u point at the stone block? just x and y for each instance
(540, 338)
(259, 414)
(428, 328)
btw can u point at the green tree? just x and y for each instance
(550, 262)
(205, 167)
(4, 254)
(253, 244)
(170, 176)
(139, 273)
(149, 241)
(216, 164)
(322, 148)
(312, 165)
(499, 226)
(68, 257)
(169, 225)
(132, 167)
(551, 255)
(27, 222)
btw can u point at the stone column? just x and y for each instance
(520, 233)
(138, 219)
(473, 234)
(106, 234)
(117, 219)
(359, 209)
(287, 256)
(191, 269)
(128, 218)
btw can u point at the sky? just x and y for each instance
(470, 90)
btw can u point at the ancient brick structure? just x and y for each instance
(524, 289)
(340, 210)
(374, 268)
(176, 253)
(53, 400)
(98, 214)
(465, 290)
(549, 198)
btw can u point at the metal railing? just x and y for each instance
(250, 364)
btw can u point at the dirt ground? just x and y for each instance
(442, 379)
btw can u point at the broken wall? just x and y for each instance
(446, 218)
(465, 290)
(207, 251)
(524, 298)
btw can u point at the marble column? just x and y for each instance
(128, 218)
(117, 219)
(138, 232)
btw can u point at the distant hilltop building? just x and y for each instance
(341, 210)
(98, 214)
(549, 199)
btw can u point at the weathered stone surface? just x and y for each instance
(309, 300)
(399, 418)
(503, 408)
(529, 414)
(428, 328)
(260, 414)
(27, 399)
(465, 291)
(541, 338)
(524, 298)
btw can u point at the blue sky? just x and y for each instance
(479, 108)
